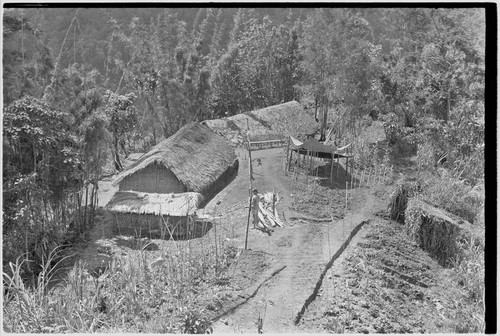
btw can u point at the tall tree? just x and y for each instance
(337, 60)
(27, 62)
(260, 69)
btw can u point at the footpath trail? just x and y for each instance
(304, 248)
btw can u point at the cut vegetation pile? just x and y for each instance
(399, 199)
(436, 232)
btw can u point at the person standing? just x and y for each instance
(255, 208)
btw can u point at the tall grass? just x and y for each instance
(453, 194)
(469, 273)
(132, 293)
(447, 189)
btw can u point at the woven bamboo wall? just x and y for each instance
(154, 178)
(147, 225)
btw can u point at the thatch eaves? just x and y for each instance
(176, 205)
(278, 121)
(196, 155)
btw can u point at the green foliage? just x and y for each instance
(172, 85)
(37, 136)
(26, 59)
(121, 120)
(261, 67)
(43, 168)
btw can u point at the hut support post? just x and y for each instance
(338, 164)
(307, 164)
(311, 156)
(331, 169)
(297, 161)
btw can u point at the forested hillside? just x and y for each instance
(84, 87)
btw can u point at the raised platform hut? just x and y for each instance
(309, 149)
(192, 165)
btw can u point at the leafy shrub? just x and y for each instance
(425, 157)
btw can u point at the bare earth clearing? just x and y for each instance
(285, 277)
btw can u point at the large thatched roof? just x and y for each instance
(177, 205)
(276, 121)
(196, 155)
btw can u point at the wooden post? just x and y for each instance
(331, 169)
(351, 178)
(274, 203)
(297, 163)
(306, 166)
(311, 160)
(287, 163)
(338, 165)
(250, 176)
(309, 163)
(216, 252)
(345, 213)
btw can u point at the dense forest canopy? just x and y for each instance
(85, 86)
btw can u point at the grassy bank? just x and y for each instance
(154, 287)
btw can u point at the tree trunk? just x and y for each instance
(324, 107)
(118, 164)
(79, 209)
(84, 222)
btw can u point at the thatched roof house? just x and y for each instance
(161, 191)
(174, 205)
(193, 160)
(273, 122)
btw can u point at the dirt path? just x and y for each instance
(304, 248)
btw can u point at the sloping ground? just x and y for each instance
(304, 247)
(385, 283)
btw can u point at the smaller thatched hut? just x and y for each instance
(273, 122)
(154, 215)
